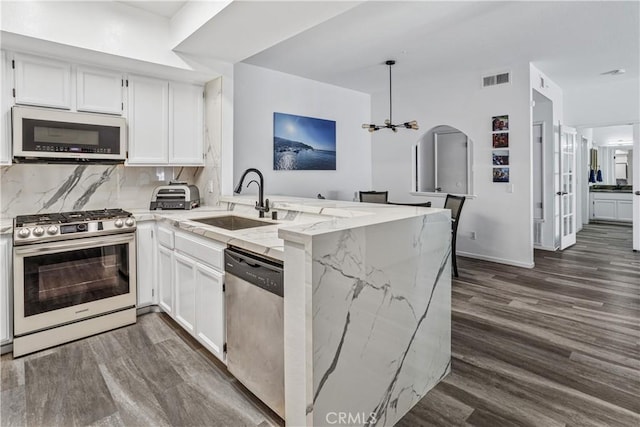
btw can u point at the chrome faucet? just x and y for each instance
(262, 205)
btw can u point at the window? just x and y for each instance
(443, 162)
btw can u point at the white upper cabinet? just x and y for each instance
(5, 111)
(42, 82)
(165, 122)
(186, 129)
(148, 117)
(99, 91)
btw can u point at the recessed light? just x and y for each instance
(614, 72)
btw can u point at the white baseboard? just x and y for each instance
(494, 259)
(545, 248)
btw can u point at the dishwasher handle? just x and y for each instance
(256, 270)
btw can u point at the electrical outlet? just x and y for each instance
(472, 235)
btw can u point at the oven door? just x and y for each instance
(62, 282)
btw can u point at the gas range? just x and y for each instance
(38, 228)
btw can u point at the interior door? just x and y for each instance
(566, 194)
(635, 171)
(451, 149)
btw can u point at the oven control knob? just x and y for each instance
(24, 232)
(118, 223)
(52, 230)
(38, 231)
(129, 222)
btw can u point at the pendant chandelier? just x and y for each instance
(388, 124)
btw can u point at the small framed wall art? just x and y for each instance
(500, 145)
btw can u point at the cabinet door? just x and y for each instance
(624, 210)
(6, 291)
(210, 324)
(165, 279)
(148, 102)
(146, 251)
(99, 91)
(604, 209)
(186, 129)
(185, 285)
(5, 110)
(42, 82)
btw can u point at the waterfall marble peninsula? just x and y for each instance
(367, 307)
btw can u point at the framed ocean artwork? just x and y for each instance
(303, 143)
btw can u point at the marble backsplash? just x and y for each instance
(34, 188)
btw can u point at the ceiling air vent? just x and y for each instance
(496, 79)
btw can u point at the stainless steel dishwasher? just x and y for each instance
(255, 325)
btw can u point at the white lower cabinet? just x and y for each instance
(165, 279)
(185, 283)
(146, 265)
(6, 291)
(611, 206)
(210, 324)
(191, 285)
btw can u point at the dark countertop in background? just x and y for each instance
(610, 189)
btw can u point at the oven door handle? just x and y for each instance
(67, 245)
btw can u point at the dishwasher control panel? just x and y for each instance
(259, 271)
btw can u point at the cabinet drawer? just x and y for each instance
(206, 251)
(165, 237)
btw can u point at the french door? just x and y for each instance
(566, 191)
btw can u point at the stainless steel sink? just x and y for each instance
(231, 222)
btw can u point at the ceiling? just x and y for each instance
(573, 42)
(162, 8)
(612, 135)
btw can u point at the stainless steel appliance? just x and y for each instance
(255, 325)
(41, 134)
(176, 195)
(74, 276)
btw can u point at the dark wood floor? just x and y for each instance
(550, 346)
(555, 345)
(148, 374)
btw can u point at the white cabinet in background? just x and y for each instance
(148, 115)
(611, 206)
(6, 291)
(165, 279)
(185, 284)
(166, 122)
(5, 110)
(210, 317)
(186, 124)
(99, 91)
(42, 82)
(146, 264)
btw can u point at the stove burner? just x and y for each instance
(68, 217)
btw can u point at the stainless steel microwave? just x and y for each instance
(57, 136)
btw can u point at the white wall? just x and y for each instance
(500, 214)
(259, 92)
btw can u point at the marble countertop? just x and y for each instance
(310, 217)
(6, 225)
(300, 219)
